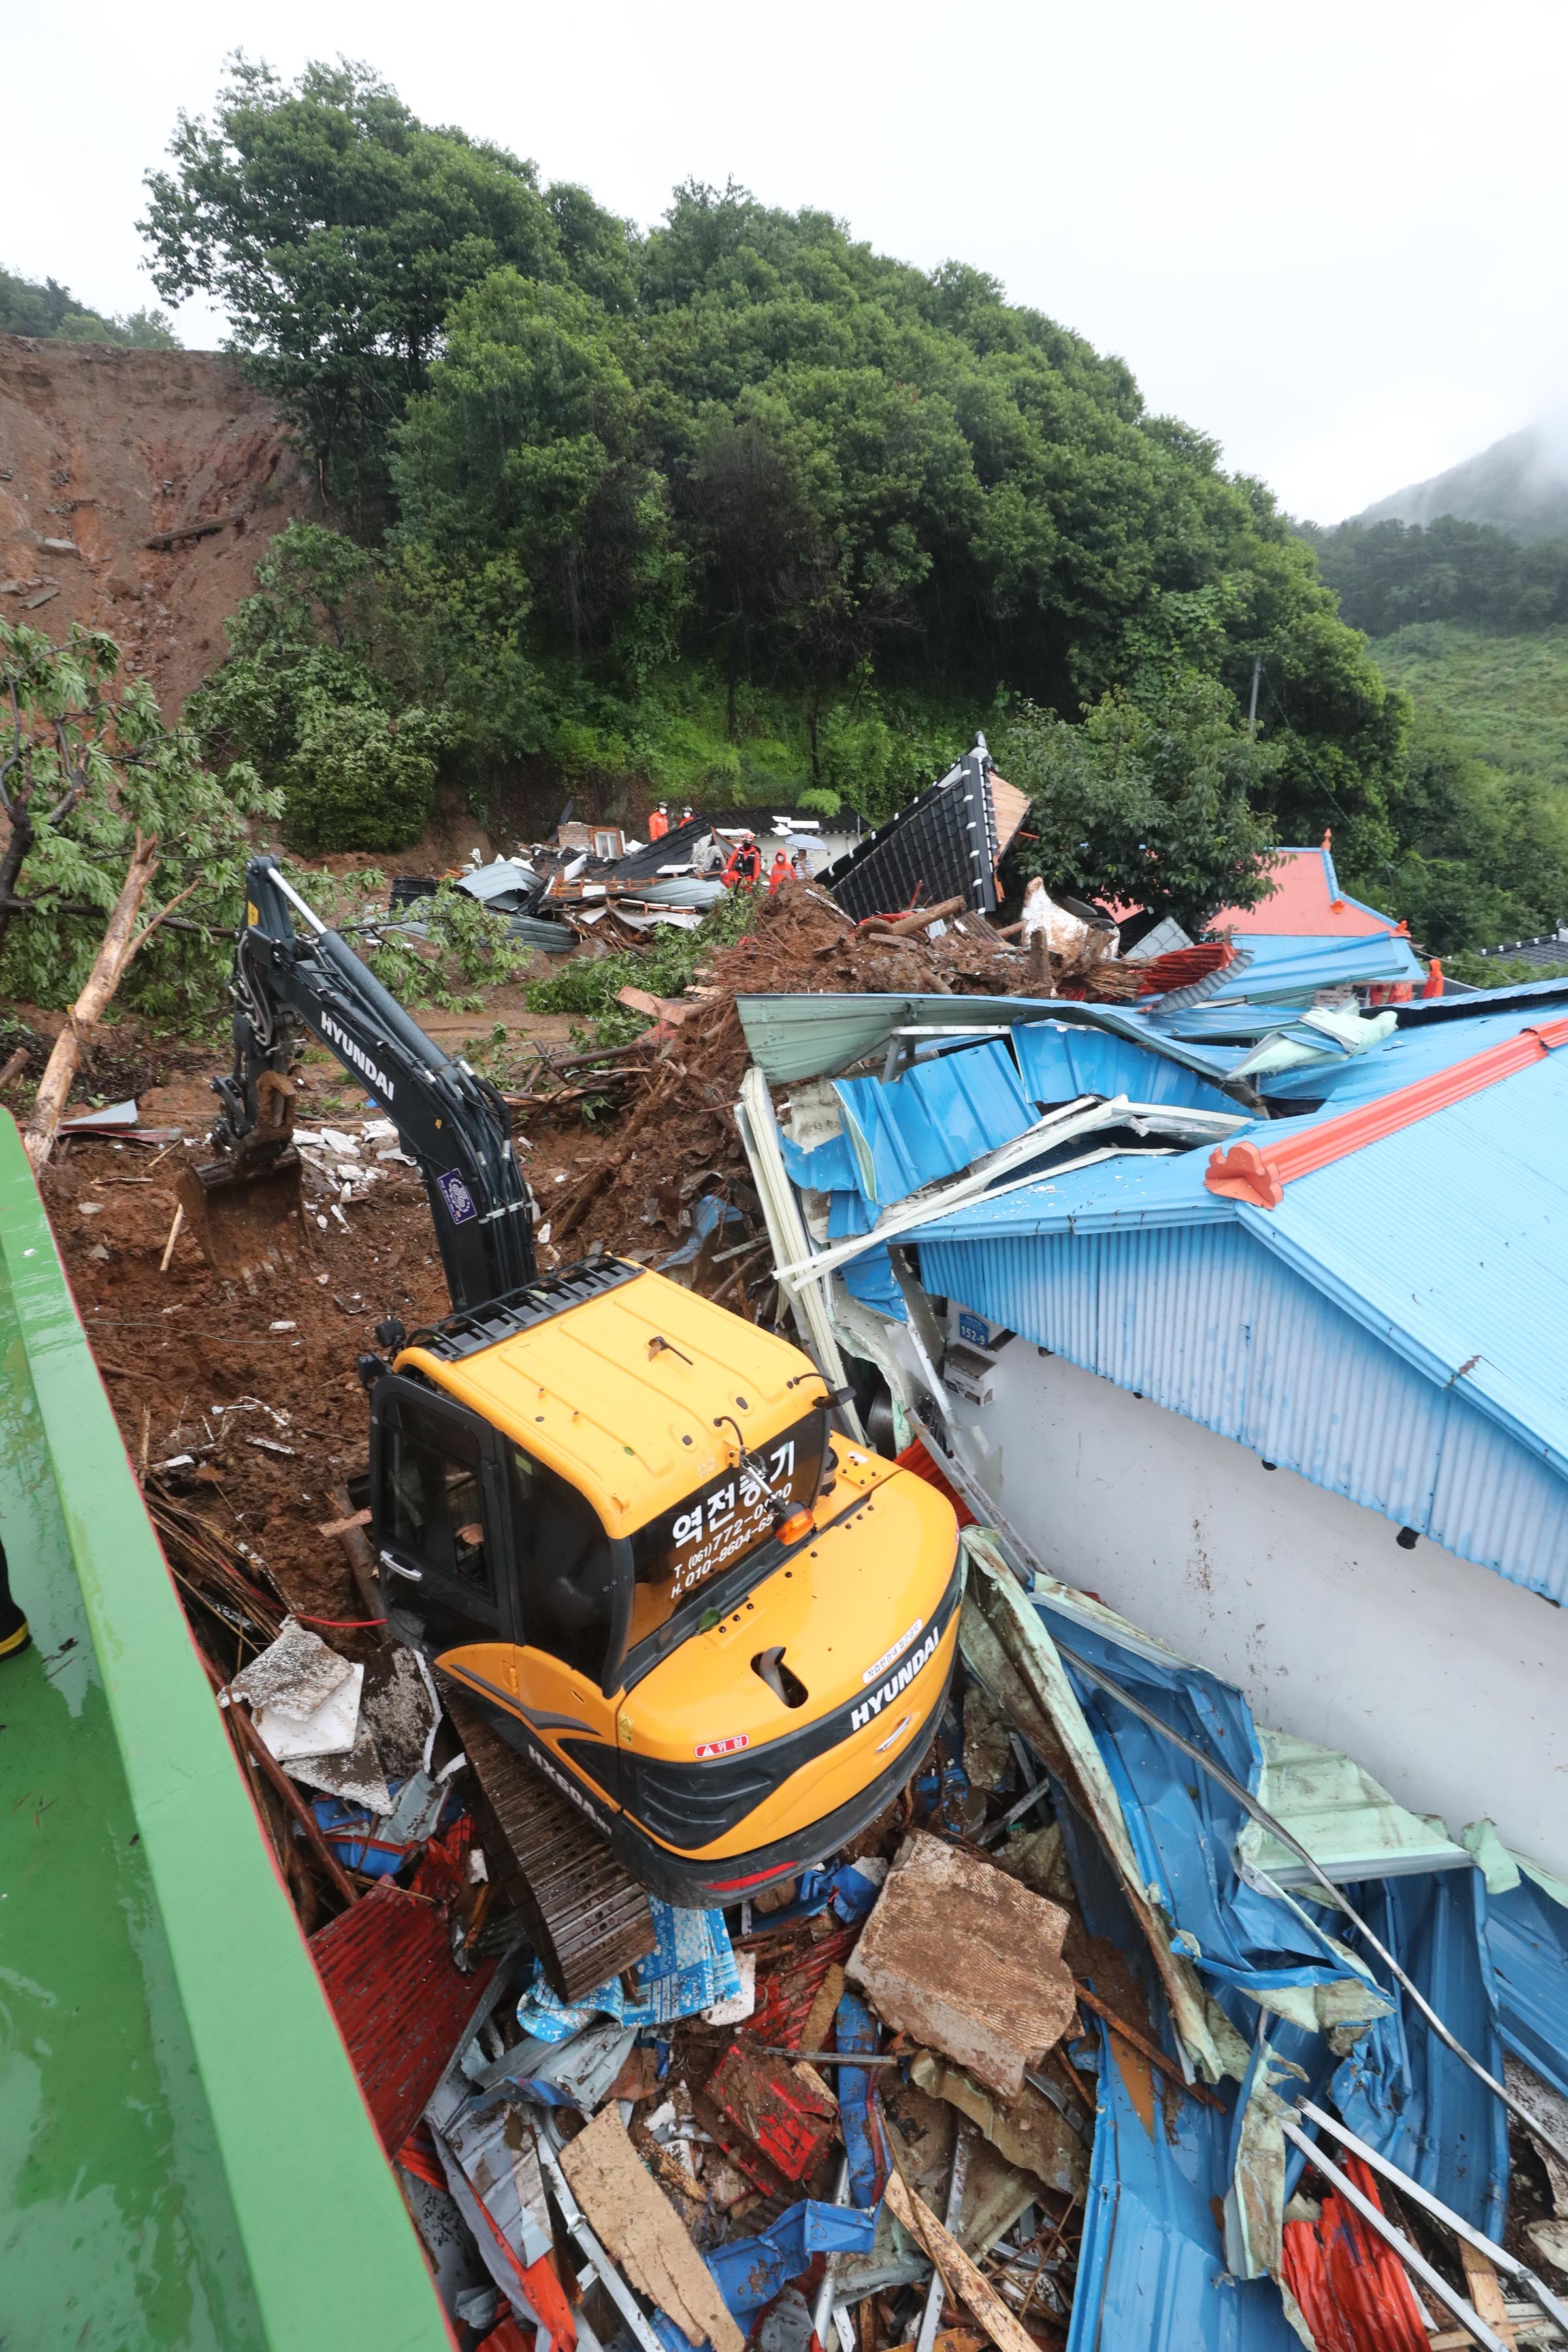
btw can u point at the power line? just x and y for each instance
(1325, 788)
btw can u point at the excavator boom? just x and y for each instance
(451, 1122)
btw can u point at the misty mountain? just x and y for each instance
(1520, 484)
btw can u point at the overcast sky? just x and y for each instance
(1330, 236)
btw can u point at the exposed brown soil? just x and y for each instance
(105, 449)
(172, 1346)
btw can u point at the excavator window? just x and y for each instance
(571, 1569)
(438, 1510)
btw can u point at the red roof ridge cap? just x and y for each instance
(1257, 1170)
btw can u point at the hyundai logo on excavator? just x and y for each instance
(337, 1037)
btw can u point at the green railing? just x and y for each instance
(185, 2160)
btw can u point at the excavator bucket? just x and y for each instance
(246, 1214)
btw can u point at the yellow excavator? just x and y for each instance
(615, 1515)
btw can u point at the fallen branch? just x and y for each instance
(904, 926)
(162, 540)
(122, 940)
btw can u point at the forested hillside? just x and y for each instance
(1519, 485)
(1472, 626)
(737, 508)
(1388, 575)
(31, 306)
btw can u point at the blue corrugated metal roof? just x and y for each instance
(1527, 1934)
(1380, 1331)
(1287, 966)
(1060, 1062)
(1403, 1058)
(1398, 2087)
(805, 1036)
(1151, 2277)
(934, 1120)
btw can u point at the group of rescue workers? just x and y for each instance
(742, 869)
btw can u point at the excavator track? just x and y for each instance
(585, 1916)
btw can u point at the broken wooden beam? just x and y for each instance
(162, 540)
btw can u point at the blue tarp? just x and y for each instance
(690, 1967)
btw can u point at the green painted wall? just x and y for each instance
(184, 2157)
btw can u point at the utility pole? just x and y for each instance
(1252, 712)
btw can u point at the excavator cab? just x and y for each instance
(628, 1531)
(478, 1539)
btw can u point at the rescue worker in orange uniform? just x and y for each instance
(742, 867)
(783, 872)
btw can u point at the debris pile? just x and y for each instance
(780, 2118)
(679, 1141)
(936, 2091)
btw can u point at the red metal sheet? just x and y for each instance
(784, 1999)
(764, 2098)
(400, 2000)
(1352, 2286)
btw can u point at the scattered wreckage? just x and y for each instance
(1131, 2020)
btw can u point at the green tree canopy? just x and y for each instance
(337, 232)
(89, 772)
(737, 504)
(1149, 805)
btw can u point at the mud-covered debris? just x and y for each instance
(1012, 1999)
(641, 2230)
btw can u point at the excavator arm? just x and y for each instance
(450, 1122)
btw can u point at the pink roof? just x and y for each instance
(1307, 902)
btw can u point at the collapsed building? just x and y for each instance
(1205, 1983)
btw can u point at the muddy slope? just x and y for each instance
(103, 450)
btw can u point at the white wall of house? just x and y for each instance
(1447, 1683)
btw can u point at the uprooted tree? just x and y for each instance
(100, 801)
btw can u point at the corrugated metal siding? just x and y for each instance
(1061, 1062)
(807, 1037)
(1286, 966)
(934, 1120)
(1204, 1321)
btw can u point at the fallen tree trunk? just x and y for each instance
(120, 941)
(904, 926)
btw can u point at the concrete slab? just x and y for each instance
(967, 1961)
